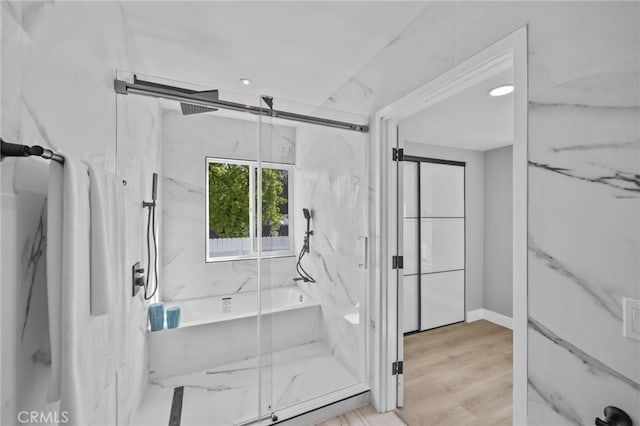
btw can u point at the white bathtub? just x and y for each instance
(216, 330)
(208, 310)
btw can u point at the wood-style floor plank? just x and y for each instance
(454, 376)
(458, 375)
(365, 416)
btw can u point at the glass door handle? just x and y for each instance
(364, 252)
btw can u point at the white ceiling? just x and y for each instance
(471, 119)
(302, 51)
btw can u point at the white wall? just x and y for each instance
(498, 232)
(474, 209)
(58, 66)
(186, 142)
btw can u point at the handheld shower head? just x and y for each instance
(154, 187)
(304, 275)
(307, 216)
(154, 193)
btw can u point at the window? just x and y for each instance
(232, 231)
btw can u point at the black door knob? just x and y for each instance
(613, 416)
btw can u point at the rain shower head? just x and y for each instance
(207, 95)
(189, 109)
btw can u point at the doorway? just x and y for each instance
(509, 52)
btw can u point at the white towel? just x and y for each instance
(82, 349)
(107, 239)
(54, 273)
(30, 177)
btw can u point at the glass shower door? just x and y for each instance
(250, 203)
(313, 261)
(265, 212)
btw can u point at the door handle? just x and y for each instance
(614, 416)
(363, 262)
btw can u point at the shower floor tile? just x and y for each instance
(228, 394)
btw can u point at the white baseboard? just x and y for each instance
(491, 316)
(475, 315)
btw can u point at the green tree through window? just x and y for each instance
(272, 188)
(229, 199)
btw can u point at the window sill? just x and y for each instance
(249, 257)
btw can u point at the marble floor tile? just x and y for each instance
(229, 394)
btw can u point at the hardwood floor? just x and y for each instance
(458, 375)
(365, 416)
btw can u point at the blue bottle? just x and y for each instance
(173, 317)
(156, 316)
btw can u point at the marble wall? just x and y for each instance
(57, 91)
(186, 142)
(331, 181)
(584, 141)
(329, 178)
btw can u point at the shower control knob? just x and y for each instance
(614, 416)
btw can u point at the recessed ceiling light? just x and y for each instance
(245, 81)
(505, 89)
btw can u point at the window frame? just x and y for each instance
(253, 234)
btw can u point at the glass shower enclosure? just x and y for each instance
(262, 242)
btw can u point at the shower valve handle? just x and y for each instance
(137, 278)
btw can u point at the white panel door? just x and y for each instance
(442, 244)
(442, 299)
(411, 238)
(410, 191)
(410, 314)
(441, 190)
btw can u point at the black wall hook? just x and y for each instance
(614, 416)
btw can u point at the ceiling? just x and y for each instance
(470, 119)
(302, 51)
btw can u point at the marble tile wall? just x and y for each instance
(584, 244)
(584, 141)
(331, 181)
(186, 142)
(57, 91)
(189, 349)
(329, 178)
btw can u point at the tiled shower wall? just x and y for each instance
(329, 178)
(331, 181)
(186, 143)
(584, 154)
(57, 91)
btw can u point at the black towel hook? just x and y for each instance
(614, 416)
